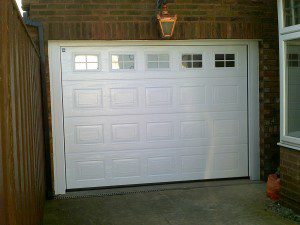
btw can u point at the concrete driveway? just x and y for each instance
(215, 202)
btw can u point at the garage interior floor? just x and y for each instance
(210, 202)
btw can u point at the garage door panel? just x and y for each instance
(155, 96)
(139, 124)
(126, 168)
(161, 166)
(125, 132)
(150, 166)
(118, 133)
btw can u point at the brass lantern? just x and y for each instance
(166, 22)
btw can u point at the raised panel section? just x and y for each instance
(126, 168)
(192, 95)
(88, 98)
(226, 161)
(89, 134)
(161, 166)
(193, 163)
(89, 170)
(158, 96)
(125, 132)
(226, 94)
(124, 97)
(192, 129)
(226, 128)
(160, 131)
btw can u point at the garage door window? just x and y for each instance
(224, 60)
(191, 61)
(122, 62)
(158, 61)
(86, 62)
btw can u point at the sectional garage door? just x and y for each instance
(146, 114)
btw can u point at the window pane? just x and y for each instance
(219, 64)
(230, 64)
(291, 12)
(80, 66)
(80, 58)
(128, 58)
(164, 65)
(186, 57)
(116, 66)
(116, 58)
(186, 65)
(92, 58)
(163, 57)
(293, 56)
(153, 57)
(197, 57)
(293, 87)
(197, 64)
(219, 57)
(229, 56)
(92, 66)
(129, 65)
(152, 65)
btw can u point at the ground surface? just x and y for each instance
(216, 202)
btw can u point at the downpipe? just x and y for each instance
(39, 26)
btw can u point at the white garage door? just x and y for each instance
(145, 114)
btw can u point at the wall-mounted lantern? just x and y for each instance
(166, 22)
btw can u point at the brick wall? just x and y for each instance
(198, 19)
(290, 178)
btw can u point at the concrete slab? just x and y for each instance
(214, 202)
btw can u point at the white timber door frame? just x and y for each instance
(57, 114)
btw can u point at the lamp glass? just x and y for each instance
(167, 27)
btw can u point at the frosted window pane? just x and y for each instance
(129, 65)
(197, 57)
(117, 66)
(186, 57)
(164, 65)
(152, 65)
(92, 66)
(128, 58)
(115, 58)
(153, 57)
(186, 65)
(92, 58)
(197, 64)
(164, 57)
(80, 66)
(80, 58)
